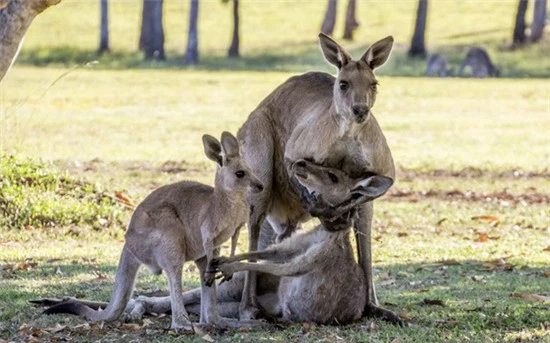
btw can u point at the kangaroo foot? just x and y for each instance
(375, 311)
(249, 313)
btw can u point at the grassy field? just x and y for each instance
(480, 148)
(461, 243)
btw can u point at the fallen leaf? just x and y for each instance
(546, 249)
(437, 302)
(482, 238)
(489, 219)
(546, 273)
(207, 338)
(477, 278)
(405, 316)
(371, 326)
(397, 340)
(123, 199)
(131, 326)
(530, 297)
(58, 328)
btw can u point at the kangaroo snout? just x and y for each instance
(360, 112)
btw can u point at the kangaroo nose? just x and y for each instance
(259, 187)
(360, 110)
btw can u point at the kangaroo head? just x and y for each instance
(232, 174)
(336, 187)
(355, 86)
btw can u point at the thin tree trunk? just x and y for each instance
(192, 51)
(104, 32)
(519, 28)
(351, 20)
(15, 19)
(151, 40)
(234, 48)
(327, 27)
(539, 20)
(417, 44)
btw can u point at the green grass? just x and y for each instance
(283, 35)
(464, 148)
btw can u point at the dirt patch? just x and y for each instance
(409, 174)
(453, 195)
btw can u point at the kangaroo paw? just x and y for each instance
(374, 311)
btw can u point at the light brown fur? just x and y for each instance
(317, 278)
(329, 121)
(185, 221)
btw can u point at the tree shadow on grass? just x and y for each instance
(461, 299)
(297, 59)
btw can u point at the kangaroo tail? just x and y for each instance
(122, 292)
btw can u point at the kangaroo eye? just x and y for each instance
(374, 87)
(240, 174)
(333, 177)
(344, 85)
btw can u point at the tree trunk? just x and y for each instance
(104, 32)
(151, 40)
(234, 48)
(519, 28)
(330, 18)
(539, 20)
(417, 44)
(15, 19)
(192, 51)
(351, 20)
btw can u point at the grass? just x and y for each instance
(465, 226)
(460, 156)
(281, 36)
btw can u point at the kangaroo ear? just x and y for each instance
(372, 187)
(334, 53)
(230, 145)
(378, 53)
(212, 149)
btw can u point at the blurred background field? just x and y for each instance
(466, 223)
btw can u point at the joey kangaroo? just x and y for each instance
(481, 66)
(181, 222)
(316, 276)
(327, 120)
(437, 66)
(321, 282)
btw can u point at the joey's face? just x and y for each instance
(234, 176)
(333, 185)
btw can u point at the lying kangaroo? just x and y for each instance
(481, 66)
(320, 280)
(181, 222)
(437, 66)
(327, 120)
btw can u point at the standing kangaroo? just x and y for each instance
(477, 59)
(317, 278)
(181, 222)
(327, 120)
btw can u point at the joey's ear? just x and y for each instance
(378, 53)
(372, 187)
(230, 145)
(212, 149)
(334, 53)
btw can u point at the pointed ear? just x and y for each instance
(212, 149)
(230, 145)
(372, 187)
(378, 53)
(334, 53)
